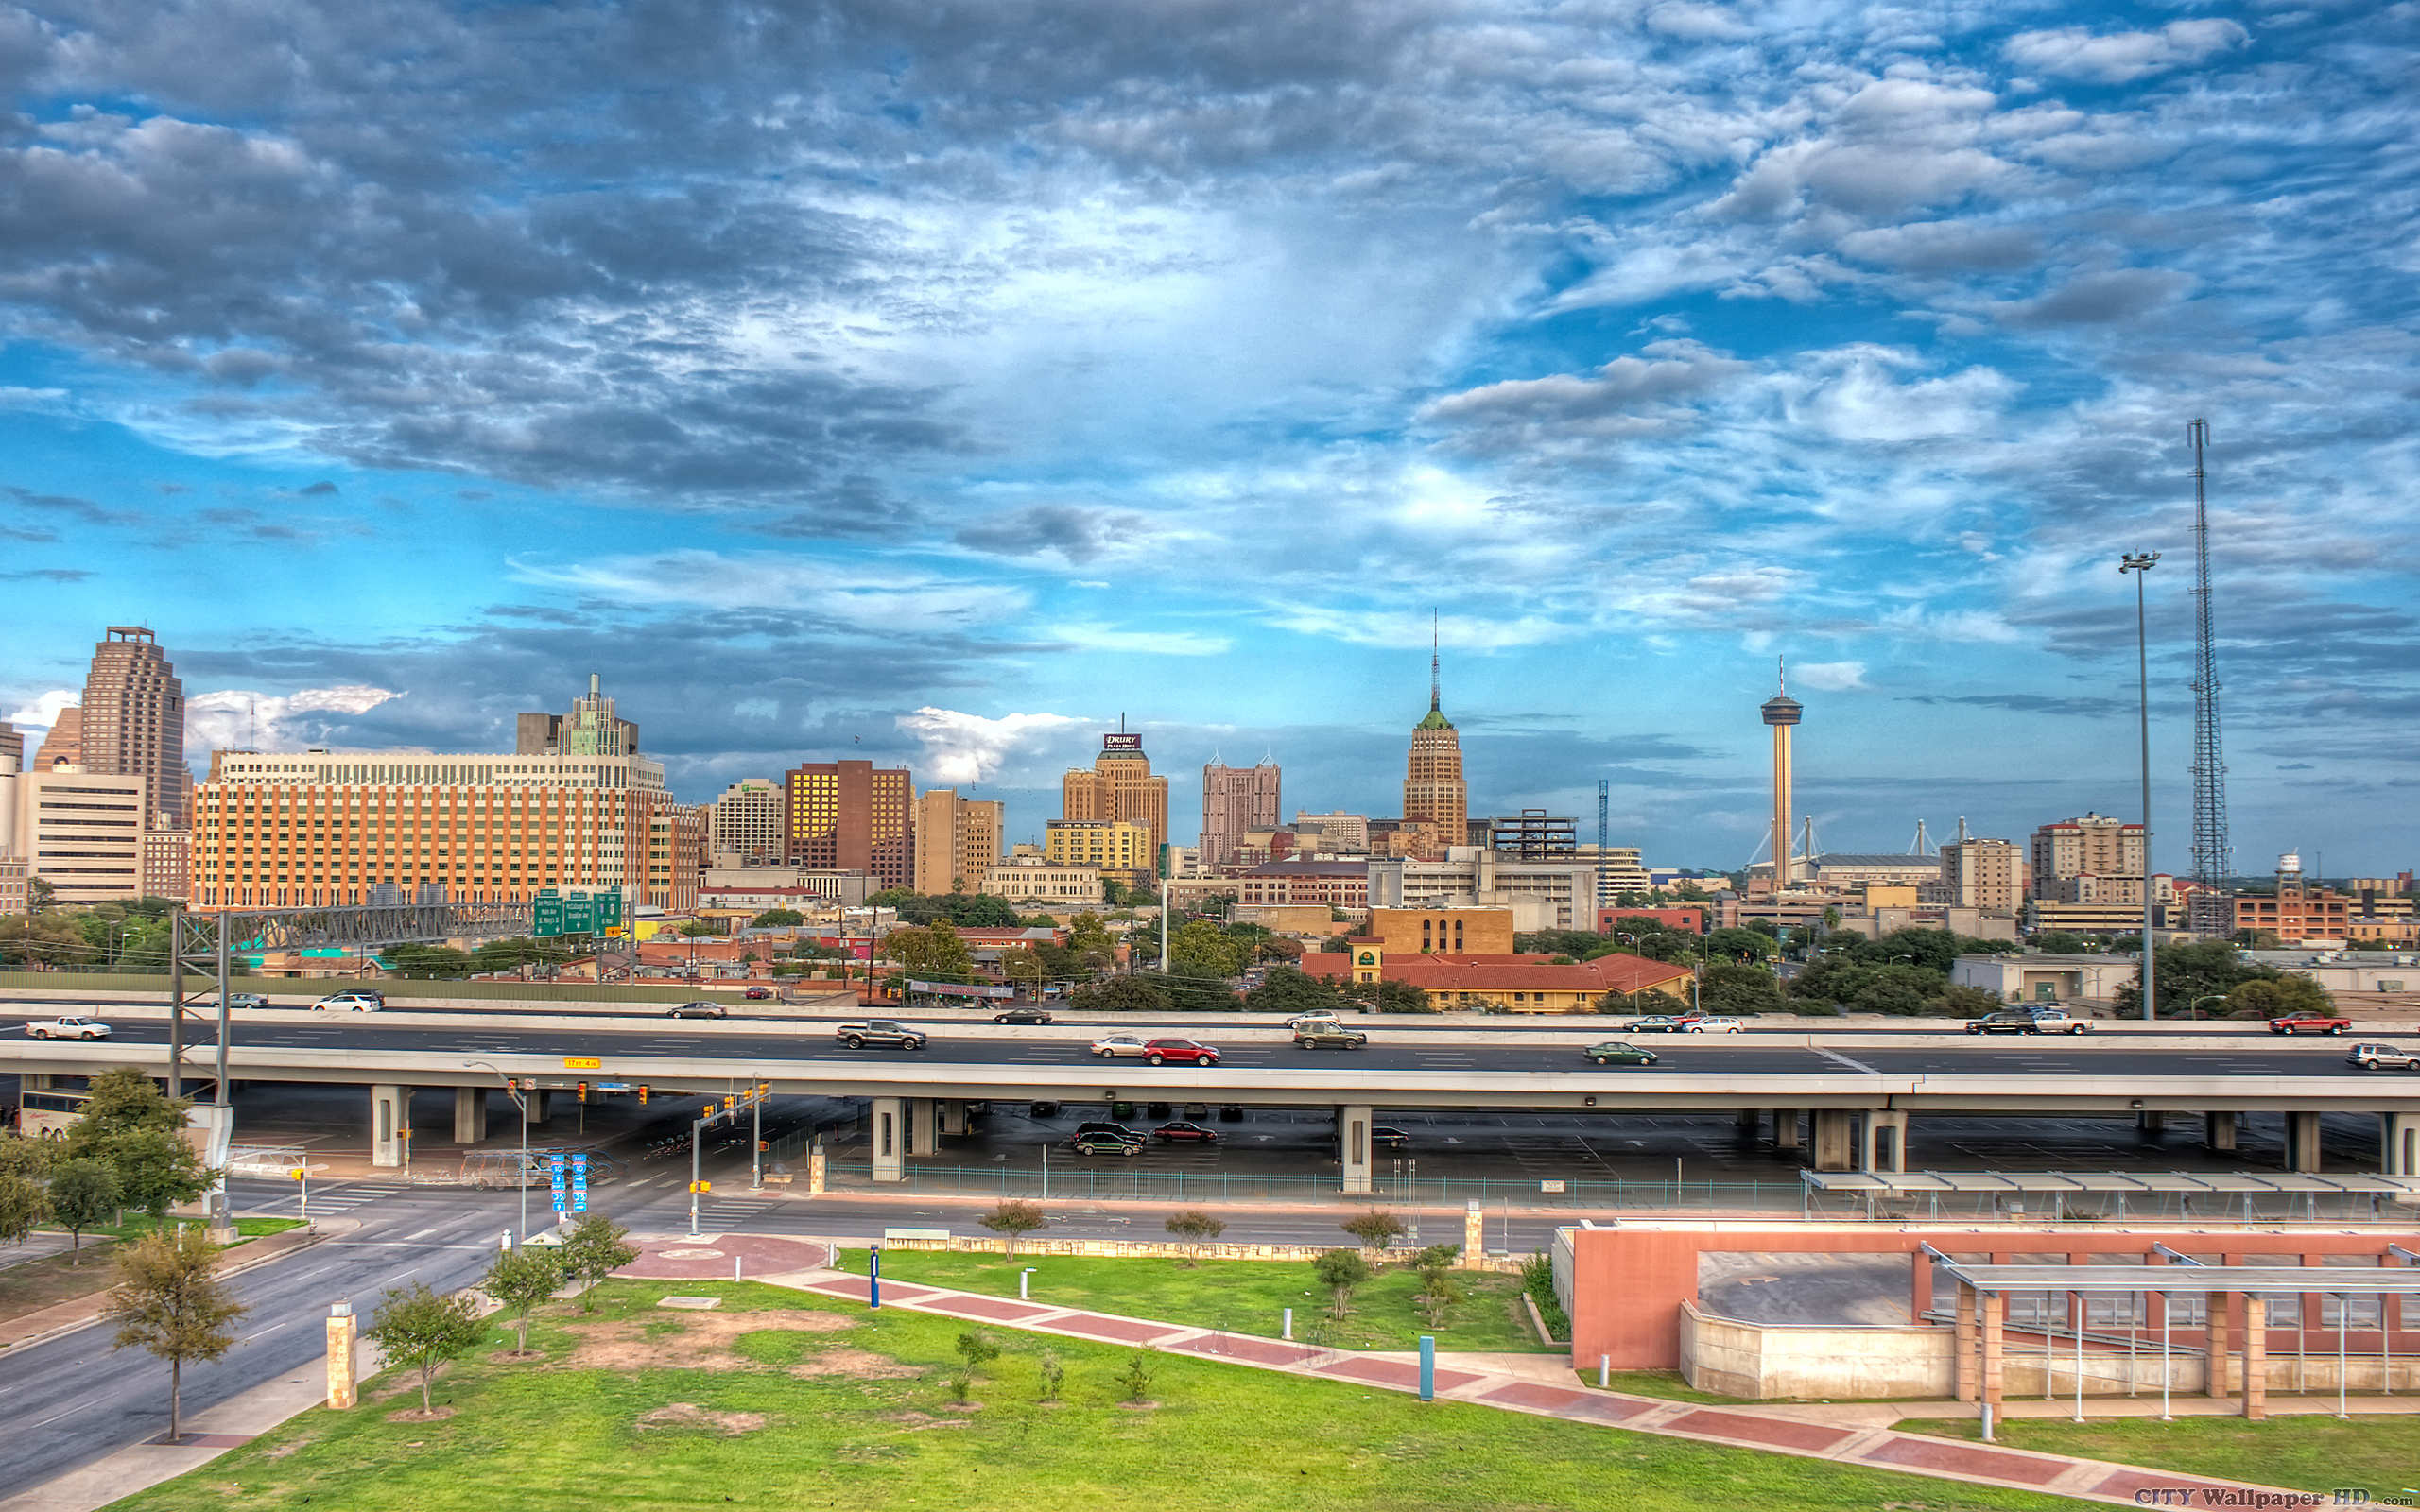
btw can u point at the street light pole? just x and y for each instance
(522, 1180)
(2140, 564)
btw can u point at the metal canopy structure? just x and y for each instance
(2361, 1281)
(209, 941)
(2117, 1188)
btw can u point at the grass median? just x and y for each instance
(782, 1401)
(31, 1286)
(2306, 1452)
(1240, 1296)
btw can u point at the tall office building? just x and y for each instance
(83, 832)
(958, 840)
(1119, 787)
(133, 722)
(66, 741)
(329, 829)
(850, 816)
(746, 822)
(2108, 850)
(1978, 873)
(1235, 801)
(591, 729)
(1433, 790)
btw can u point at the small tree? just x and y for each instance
(1136, 1377)
(170, 1300)
(1053, 1375)
(156, 1169)
(21, 1206)
(1437, 1258)
(20, 1156)
(521, 1280)
(594, 1250)
(1375, 1230)
(1340, 1271)
(978, 1349)
(422, 1330)
(1013, 1219)
(83, 1194)
(1437, 1296)
(1193, 1229)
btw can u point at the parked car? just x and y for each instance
(1661, 1024)
(1619, 1053)
(246, 1000)
(1118, 1046)
(1388, 1137)
(1183, 1052)
(74, 1027)
(699, 1009)
(2371, 1056)
(1185, 1129)
(1111, 1130)
(1329, 1035)
(358, 1000)
(1104, 1144)
(879, 1032)
(1022, 1015)
(2028, 1020)
(758, 994)
(2308, 1023)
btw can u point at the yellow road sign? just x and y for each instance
(583, 1063)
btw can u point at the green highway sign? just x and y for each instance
(578, 913)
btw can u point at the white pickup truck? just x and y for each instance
(879, 1032)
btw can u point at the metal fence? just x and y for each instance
(399, 991)
(1078, 1181)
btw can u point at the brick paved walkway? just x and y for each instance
(1736, 1427)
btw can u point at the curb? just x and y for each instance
(326, 1229)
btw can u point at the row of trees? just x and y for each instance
(127, 1151)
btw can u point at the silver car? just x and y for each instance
(2373, 1055)
(1119, 1046)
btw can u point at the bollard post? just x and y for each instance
(734, 1267)
(1024, 1276)
(873, 1276)
(1427, 1368)
(1289, 1325)
(1604, 1371)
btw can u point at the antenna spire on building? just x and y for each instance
(1781, 674)
(1435, 686)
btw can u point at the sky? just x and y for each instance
(936, 383)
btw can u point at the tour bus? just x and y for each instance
(48, 1114)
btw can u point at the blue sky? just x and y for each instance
(939, 382)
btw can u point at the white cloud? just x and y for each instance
(778, 580)
(1829, 677)
(1092, 635)
(2074, 52)
(965, 748)
(238, 717)
(43, 711)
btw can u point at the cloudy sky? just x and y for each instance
(937, 382)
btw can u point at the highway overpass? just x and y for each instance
(1855, 1093)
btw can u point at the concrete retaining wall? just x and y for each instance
(1168, 1250)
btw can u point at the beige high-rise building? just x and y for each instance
(1977, 873)
(83, 832)
(958, 840)
(1105, 845)
(12, 744)
(1433, 790)
(1119, 787)
(66, 741)
(746, 822)
(1235, 801)
(133, 721)
(2097, 846)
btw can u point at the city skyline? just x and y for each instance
(911, 399)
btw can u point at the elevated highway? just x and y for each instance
(1854, 1093)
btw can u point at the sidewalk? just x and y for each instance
(1492, 1381)
(81, 1312)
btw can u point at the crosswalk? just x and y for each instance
(337, 1198)
(732, 1214)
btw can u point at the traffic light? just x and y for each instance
(701, 1186)
(583, 1092)
(641, 1096)
(512, 1084)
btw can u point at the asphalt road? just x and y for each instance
(2014, 1055)
(74, 1399)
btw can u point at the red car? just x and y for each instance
(758, 994)
(1183, 1052)
(1182, 1130)
(2308, 1023)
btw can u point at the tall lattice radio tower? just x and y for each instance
(2213, 907)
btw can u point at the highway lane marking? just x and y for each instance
(1853, 1065)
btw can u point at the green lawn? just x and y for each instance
(2305, 1452)
(1657, 1383)
(136, 1229)
(1240, 1295)
(831, 1431)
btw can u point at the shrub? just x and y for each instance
(1136, 1377)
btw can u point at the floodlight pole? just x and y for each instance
(2140, 564)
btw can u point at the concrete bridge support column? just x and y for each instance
(535, 1108)
(1835, 1139)
(2399, 1144)
(1884, 1144)
(953, 1117)
(923, 1136)
(470, 1115)
(1750, 1121)
(2218, 1132)
(1352, 1145)
(389, 1112)
(1786, 1130)
(2302, 1141)
(2152, 1124)
(889, 1140)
